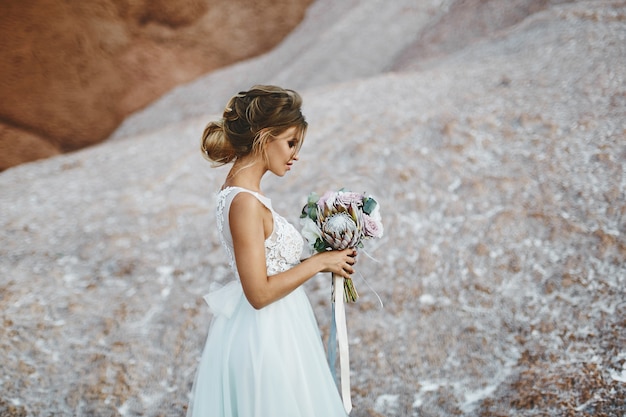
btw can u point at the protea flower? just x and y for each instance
(340, 231)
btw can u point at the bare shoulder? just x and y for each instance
(246, 202)
(246, 207)
(247, 219)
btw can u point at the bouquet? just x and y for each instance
(340, 220)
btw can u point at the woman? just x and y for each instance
(263, 355)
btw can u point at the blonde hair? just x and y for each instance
(251, 119)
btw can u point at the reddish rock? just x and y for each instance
(71, 71)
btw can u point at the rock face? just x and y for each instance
(72, 71)
(500, 169)
(465, 23)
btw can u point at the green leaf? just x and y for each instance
(319, 245)
(369, 205)
(309, 210)
(313, 199)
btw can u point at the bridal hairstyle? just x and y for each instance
(251, 119)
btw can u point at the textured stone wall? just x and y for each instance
(71, 71)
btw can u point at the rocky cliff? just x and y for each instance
(72, 71)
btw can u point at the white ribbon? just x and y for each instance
(342, 339)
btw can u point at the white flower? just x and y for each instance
(310, 231)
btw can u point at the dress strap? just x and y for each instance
(232, 191)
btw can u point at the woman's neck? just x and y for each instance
(245, 173)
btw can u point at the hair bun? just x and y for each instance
(246, 116)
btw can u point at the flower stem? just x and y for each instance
(350, 294)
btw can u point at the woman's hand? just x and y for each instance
(339, 262)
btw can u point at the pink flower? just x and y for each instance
(327, 200)
(348, 198)
(372, 227)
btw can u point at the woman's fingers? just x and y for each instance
(350, 261)
(342, 262)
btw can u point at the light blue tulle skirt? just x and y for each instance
(263, 363)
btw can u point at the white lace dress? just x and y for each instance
(268, 362)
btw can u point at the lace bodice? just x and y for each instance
(283, 247)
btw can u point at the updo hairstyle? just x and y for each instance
(250, 120)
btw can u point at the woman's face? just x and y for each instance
(282, 151)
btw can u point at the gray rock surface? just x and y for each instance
(501, 172)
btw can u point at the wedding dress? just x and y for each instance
(268, 362)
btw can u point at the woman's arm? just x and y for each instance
(247, 218)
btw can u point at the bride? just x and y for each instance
(263, 355)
